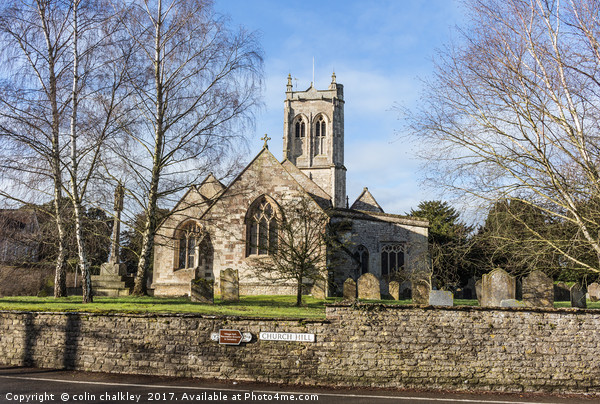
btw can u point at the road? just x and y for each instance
(30, 385)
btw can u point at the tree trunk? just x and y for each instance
(75, 196)
(60, 277)
(299, 291)
(150, 228)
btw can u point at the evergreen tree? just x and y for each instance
(448, 243)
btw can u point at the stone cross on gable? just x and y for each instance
(266, 139)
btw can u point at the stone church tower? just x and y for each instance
(313, 136)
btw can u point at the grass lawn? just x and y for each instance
(248, 306)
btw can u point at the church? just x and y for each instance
(215, 227)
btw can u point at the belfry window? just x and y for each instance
(392, 258)
(362, 256)
(188, 240)
(261, 228)
(300, 128)
(320, 131)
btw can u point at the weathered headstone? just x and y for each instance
(578, 296)
(478, 291)
(202, 291)
(441, 298)
(496, 286)
(561, 292)
(420, 291)
(405, 291)
(368, 287)
(469, 291)
(594, 291)
(538, 290)
(230, 285)
(394, 289)
(319, 289)
(511, 303)
(350, 289)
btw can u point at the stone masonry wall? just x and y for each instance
(365, 345)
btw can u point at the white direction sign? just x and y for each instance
(286, 336)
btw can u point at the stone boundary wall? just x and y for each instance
(516, 349)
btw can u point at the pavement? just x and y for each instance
(33, 385)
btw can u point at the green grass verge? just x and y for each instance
(248, 306)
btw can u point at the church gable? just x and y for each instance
(366, 202)
(210, 187)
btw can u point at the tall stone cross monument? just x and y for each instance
(113, 266)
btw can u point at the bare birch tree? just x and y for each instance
(512, 113)
(197, 82)
(35, 42)
(54, 134)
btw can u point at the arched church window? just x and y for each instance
(261, 228)
(392, 258)
(362, 256)
(188, 238)
(320, 132)
(300, 128)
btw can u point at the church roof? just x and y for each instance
(366, 202)
(305, 184)
(379, 217)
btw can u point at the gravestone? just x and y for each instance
(594, 292)
(368, 287)
(349, 289)
(469, 291)
(538, 290)
(202, 291)
(405, 291)
(230, 285)
(561, 292)
(511, 303)
(578, 296)
(441, 298)
(496, 286)
(478, 291)
(420, 292)
(394, 289)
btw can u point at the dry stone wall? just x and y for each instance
(513, 349)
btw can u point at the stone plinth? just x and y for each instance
(112, 281)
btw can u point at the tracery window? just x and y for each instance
(261, 228)
(300, 128)
(320, 132)
(392, 258)
(188, 238)
(362, 256)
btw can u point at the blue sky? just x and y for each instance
(380, 49)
